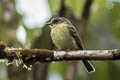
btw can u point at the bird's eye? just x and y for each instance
(55, 20)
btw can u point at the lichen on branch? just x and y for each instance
(29, 57)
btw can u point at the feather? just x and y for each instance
(74, 33)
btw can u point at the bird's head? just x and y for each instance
(58, 21)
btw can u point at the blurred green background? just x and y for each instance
(22, 24)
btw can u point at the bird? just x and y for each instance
(65, 37)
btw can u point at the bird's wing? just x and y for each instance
(74, 33)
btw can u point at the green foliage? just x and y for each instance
(76, 6)
(54, 5)
(98, 9)
(32, 34)
(102, 72)
(60, 67)
(115, 19)
(114, 0)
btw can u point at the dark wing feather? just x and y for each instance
(74, 33)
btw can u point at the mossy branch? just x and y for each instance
(31, 56)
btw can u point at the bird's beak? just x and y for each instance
(49, 23)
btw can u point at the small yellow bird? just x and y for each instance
(65, 37)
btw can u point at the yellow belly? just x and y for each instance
(62, 39)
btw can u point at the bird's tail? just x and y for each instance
(88, 66)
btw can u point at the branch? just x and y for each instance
(43, 55)
(62, 8)
(86, 10)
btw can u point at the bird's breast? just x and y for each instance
(62, 38)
